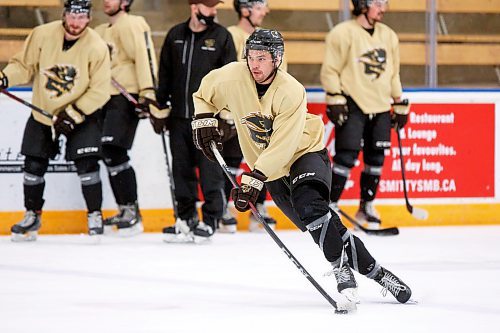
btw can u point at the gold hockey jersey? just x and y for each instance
(80, 75)
(240, 37)
(129, 58)
(361, 65)
(273, 131)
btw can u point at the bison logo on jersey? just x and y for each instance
(260, 128)
(60, 79)
(374, 61)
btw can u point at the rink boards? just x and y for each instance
(450, 147)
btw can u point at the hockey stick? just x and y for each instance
(163, 141)
(44, 113)
(418, 213)
(392, 231)
(28, 104)
(140, 113)
(170, 177)
(273, 235)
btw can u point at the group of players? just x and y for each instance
(98, 83)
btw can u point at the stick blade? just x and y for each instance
(420, 214)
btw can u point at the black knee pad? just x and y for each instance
(309, 202)
(36, 166)
(114, 155)
(87, 165)
(346, 157)
(374, 157)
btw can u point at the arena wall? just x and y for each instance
(451, 149)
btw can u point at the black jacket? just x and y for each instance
(186, 57)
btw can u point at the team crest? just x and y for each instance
(260, 128)
(209, 45)
(60, 80)
(374, 61)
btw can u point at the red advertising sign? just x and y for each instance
(448, 150)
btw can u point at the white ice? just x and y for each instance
(244, 283)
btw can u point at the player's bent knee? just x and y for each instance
(114, 155)
(346, 158)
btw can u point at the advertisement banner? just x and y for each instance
(448, 151)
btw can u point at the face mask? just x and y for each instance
(206, 20)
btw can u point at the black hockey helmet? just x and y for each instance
(238, 4)
(77, 6)
(361, 5)
(266, 40)
(127, 6)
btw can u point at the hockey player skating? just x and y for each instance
(69, 65)
(360, 75)
(251, 14)
(191, 50)
(283, 145)
(124, 34)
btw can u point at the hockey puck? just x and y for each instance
(341, 312)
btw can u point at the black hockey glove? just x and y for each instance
(251, 185)
(158, 114)
(399, 116)
(227, 129)
(4, 81)
(66, 120)
(205, 130)
(337, 110)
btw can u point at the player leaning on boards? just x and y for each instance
(251, 14)
(191, 50)
(360, 75)
(125, 36)
(283, 145)
(69, 65)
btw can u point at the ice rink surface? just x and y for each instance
(244, 283)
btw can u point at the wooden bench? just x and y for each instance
(31, 3)
(403, 37)
(456, 49)
(8, 48)
(443, 6)
(312, 52)
(35, 4)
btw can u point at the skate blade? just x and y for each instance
(130, 232)
(110, 230)
(29, 236)
(94, 239)
(178, 238)
(344, 305)
(202, 240)
(351, 294)
(227, 229)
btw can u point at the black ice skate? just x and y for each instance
(27, 229)
(346, 283)
(368, 216)
(128, 221)
(190, 231)
(228, 223)
(94, 221)
(391, 282)
(255, 225)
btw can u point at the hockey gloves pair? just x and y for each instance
(205, 130)
(399, 116)
(336, 109)
(249, 190)
(66, 120)
(4, 81)
(158, 115)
